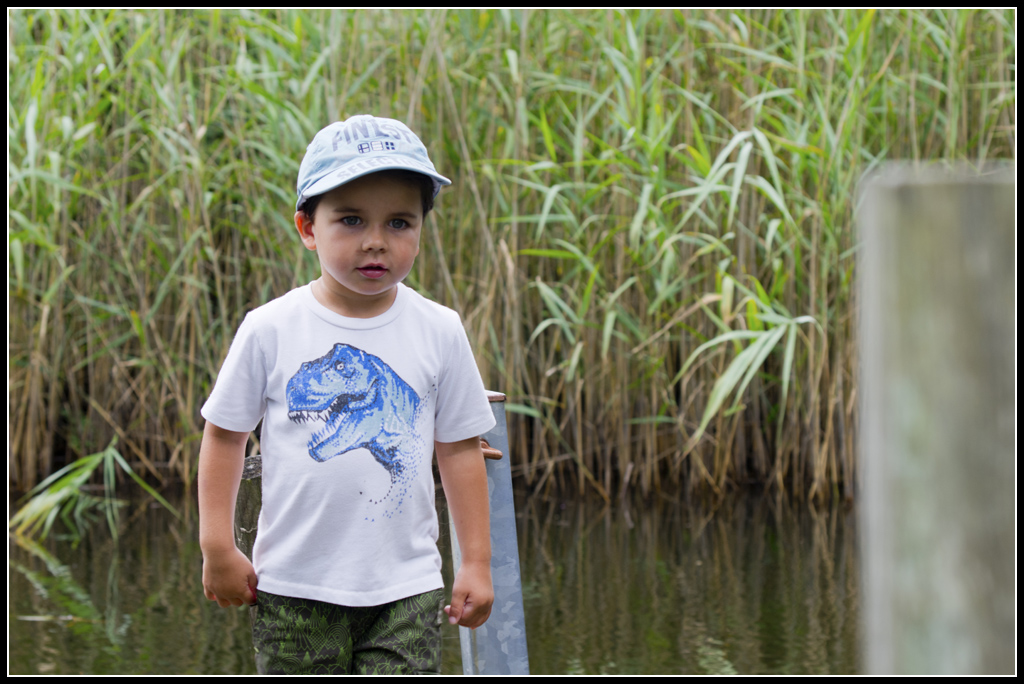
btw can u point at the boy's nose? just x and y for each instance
(375, 238)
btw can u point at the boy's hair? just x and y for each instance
(422, 182)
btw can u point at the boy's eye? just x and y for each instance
(350, 220)
(398, 223)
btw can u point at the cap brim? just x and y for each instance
(364, 167)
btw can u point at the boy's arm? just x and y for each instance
(228, 576)
(464, 478)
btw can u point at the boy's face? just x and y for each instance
(366, 234)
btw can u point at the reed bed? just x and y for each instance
(650, 235)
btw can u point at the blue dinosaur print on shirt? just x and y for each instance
(364, 405)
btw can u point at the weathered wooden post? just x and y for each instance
(938, 319)
(247, 506)
(247, 509)
(497, 647)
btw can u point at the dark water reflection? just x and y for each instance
(755, 586)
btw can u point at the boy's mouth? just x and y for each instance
(372, 270)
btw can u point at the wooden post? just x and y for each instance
(247, 509)
(938, 303)
(248, 504)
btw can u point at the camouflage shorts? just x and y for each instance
(303, 636)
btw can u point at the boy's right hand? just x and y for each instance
(229, 578)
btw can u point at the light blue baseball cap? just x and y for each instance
(357, 146)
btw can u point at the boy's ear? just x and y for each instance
(304, 225)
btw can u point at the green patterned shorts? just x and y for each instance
(303, 636)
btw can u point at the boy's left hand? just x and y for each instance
(464, 477)
(472, 595)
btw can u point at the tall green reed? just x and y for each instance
(650, 236)
(63, 494)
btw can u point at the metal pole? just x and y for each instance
(499, 645)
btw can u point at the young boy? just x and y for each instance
(357, 379)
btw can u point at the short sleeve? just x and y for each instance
(239, 397)
(462, 409)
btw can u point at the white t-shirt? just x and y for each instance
(351, 408)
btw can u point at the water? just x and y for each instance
(753, 587)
